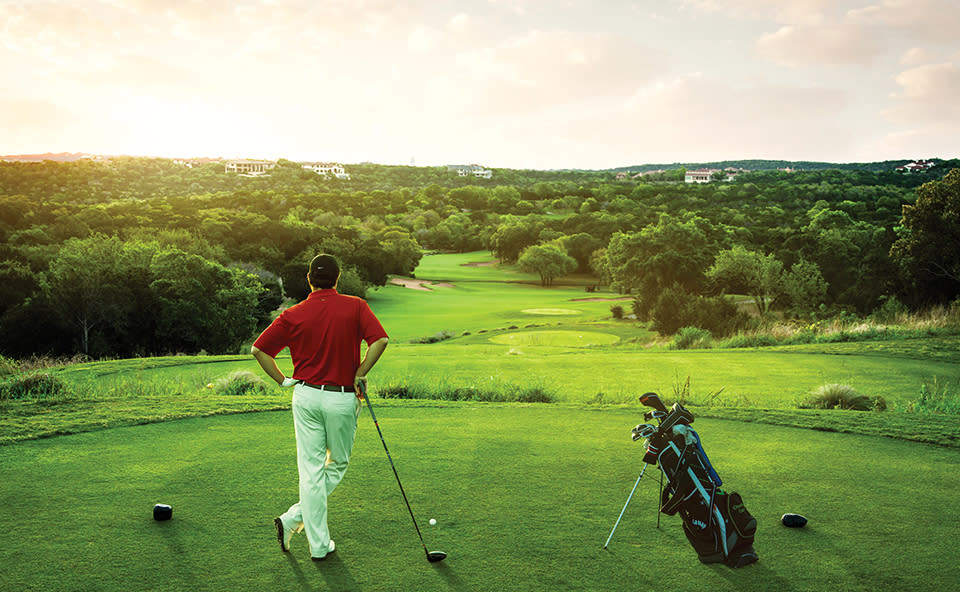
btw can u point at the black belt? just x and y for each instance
(330, 387)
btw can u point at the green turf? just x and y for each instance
(524, 496)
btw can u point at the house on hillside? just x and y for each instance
(707, 175)
(327, 168)
(465, 170)
(699, 175)
(917, 166)
(249, 168)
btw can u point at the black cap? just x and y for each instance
(324, 266)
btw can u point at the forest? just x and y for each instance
(145, 256)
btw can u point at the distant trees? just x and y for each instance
(110, 297)
(88, 248)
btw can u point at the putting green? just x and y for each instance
(556, 338)
(550, 311)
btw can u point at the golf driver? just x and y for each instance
(653, 400)
(432, 556)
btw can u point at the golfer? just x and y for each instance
(323, 333)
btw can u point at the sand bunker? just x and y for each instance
(550, 311)
(599, 299)
(423, 285)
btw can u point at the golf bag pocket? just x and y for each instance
(703, 533)
(736, 514)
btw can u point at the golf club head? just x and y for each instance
(436, 556)
(653, 400)
(644, 430)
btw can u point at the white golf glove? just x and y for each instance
(288, 382)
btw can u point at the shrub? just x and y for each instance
(693, 338)
(240, 383)
(617, 311)
(8, 366)
(841, 396)
(436, 337)
(40, 385)
(675, 308)
(936, 397)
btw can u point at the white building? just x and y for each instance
(699, 175)
(917, 166)
(249, 168)
(327, 168)
(465, 170)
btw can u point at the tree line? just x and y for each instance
(143, 256)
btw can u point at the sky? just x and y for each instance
(539, 84)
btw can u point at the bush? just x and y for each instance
(675, 308)
(40, 385)
(693, 338)
(240, 383)
(8, 366)
(936, 397)
(436, 337)
(841, 396)
(617, 311)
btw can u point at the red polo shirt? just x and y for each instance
(324, 334)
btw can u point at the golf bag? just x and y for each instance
(715, 522)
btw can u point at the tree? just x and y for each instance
(928, 247)
(741, 271)
(510, 239)
(549, 261)
(85, 289)
(803, 288)
(672, 251)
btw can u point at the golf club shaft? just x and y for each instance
(363, 392)
(625, 506)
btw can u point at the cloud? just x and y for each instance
(793, 12)
(928, 94)
(836, 44)
(541, 69)
(926, 20)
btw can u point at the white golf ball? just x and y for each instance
(433, 522)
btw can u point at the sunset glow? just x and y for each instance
(506, 83)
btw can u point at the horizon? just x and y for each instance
(521, 84)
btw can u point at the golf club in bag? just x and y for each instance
(432, 556)
(715, 522)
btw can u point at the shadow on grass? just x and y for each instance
(453, 580)
(336, 573)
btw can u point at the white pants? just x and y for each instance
(326, 424)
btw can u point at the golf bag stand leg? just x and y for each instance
(625, 506)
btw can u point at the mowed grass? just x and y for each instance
(524, 496)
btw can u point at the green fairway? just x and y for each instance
(524, 497)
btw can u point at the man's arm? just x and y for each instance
(269, 365)
(374, 351)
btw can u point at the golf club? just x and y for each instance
(432, 556)
(653, 400)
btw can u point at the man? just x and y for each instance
(323, 333)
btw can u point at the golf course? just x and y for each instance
(507, 408)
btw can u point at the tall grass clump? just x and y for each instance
(240, 383)
(692, 338)
(890, 321)
(489, 393)
(842, 396)
(33, 385)
(936, 397)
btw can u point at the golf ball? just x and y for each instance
(433, 522)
